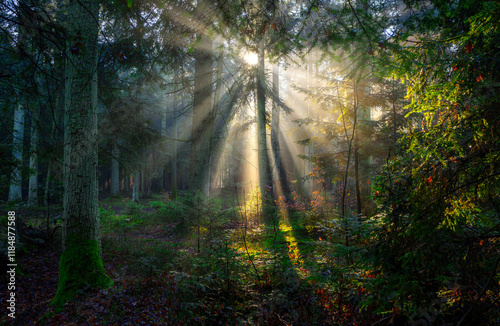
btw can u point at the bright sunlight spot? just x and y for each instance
(251, 58)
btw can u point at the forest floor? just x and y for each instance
(174, 263)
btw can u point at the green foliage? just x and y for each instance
(149, 263)
(122, 224)
(438, 198)
(105, 214)
(436, 226)
(158, 205)
(431, 249)
(134, 210)
(321, 208)
(175, 211)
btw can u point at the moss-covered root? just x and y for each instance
(80, 268)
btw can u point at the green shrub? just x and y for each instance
(105, 214)
(157, 204)
(134, 209)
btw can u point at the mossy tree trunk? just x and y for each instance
(80, 265)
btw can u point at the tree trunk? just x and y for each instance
(173, 159)
(264, 170)
(15, 189)
(356, 149)
(135, 187)
(356, 173)
(394, 116)
(308, 150)
(80, 264)
(50, 161)
(163, 151)
(279, 178)
(203, 122)
(148, 176)
(33, 180)
(216, 111)
(141, 176)
(115, 171)
(47, 185)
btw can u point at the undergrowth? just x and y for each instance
(197, 261)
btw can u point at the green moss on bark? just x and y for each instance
(80, 268)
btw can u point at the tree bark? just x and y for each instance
(80, 264)
(15, 189)
(356, 174)
(115, 171)
(264, 169)
(394, 116)
(52, 163)
(135, 186)
(33, 180)
(279, 178)
(308, 149)
(356, 148)
(47, 185)
(203, 122)
(173, 160)
(163, 151)
(216, 111)
(142, 177)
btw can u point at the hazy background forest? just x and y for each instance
(250, 162)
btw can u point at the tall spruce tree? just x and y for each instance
(203, 118)
(80, 264)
